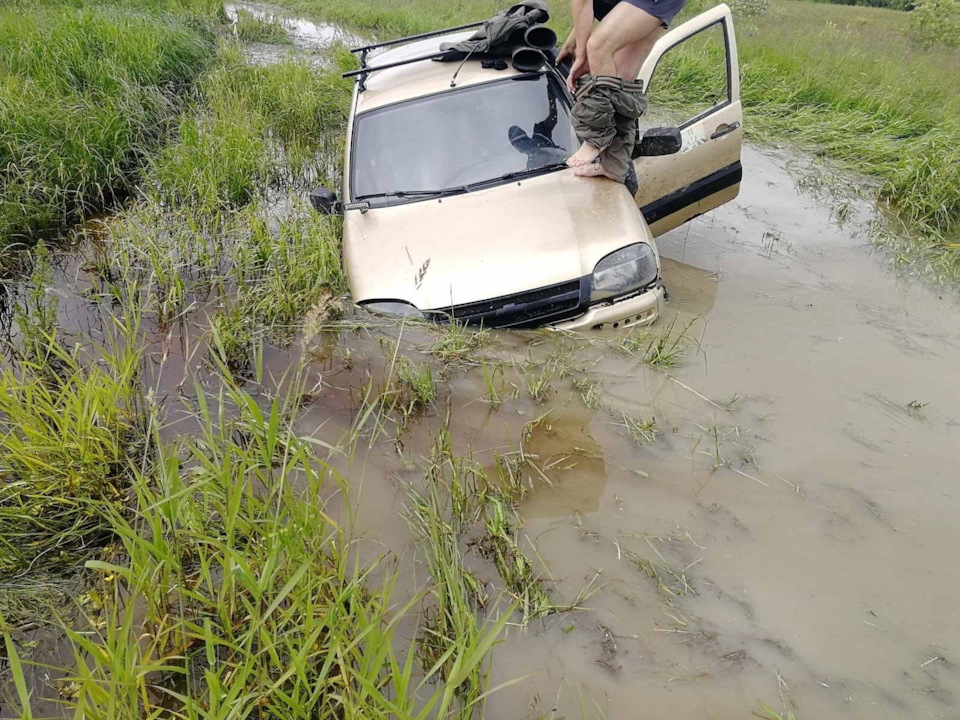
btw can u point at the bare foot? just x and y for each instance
(584, 156)
(593, 169)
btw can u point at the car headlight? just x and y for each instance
(623, 271)
(395, 308)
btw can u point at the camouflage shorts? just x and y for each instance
(605, 115)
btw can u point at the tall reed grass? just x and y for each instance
(88, 92)
(230, 592)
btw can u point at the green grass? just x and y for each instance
(68, 437)
(223, 205)
(260, 28)
(87, 92)
(847, 83)
(231, 593)
(248, 124)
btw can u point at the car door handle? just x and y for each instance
(724, 130)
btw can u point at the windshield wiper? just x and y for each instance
(522, 173)
(462, 188)
(414, 193)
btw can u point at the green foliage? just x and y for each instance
(67, 442)
(294, 266)
(86, 92)
(890, 4)
(260, 28)
(226, 150)
(219, 161)
(416, 383)
(233, 594)
(936, 23)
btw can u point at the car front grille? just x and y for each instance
(523, 310)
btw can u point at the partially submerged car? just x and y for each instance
(457, 204)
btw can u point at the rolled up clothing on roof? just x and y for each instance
(501, 34)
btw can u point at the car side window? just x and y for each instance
(692, 78)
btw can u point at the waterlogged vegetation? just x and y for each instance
(256, 28)
(89, 91)
(177, 535)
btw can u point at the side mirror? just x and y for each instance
(325, 201)
(659, 141)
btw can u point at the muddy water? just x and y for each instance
(789, 535)
(797, 509)
(308, 40)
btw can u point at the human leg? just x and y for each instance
(623, 32)
(630, 59)
(624, 26)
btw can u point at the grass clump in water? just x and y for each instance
(263, 28)
(68, 441)
(642, 431)
(661, 348)
(458, 344)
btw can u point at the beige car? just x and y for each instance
(457, 203)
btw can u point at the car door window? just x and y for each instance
(692, 78)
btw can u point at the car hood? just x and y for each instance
(488, 243)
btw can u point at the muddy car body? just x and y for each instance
(457, 204)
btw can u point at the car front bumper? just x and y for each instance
(635, 311)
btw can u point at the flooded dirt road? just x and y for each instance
(783, 532)
(768, 518)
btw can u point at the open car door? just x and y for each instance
(699, 59)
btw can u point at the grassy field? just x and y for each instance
(846, 83)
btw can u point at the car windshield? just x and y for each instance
(472, 135)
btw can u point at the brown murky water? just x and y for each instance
(798, 504)
(788, 537)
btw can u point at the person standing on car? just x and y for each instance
(603, 78)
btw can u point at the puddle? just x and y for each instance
(308, 39)
(567, 467)
(787, 535)
(808, 510)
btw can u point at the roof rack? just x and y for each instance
(399, 41)
(537, 46)
(365, 69)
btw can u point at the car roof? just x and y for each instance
(407, 82)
